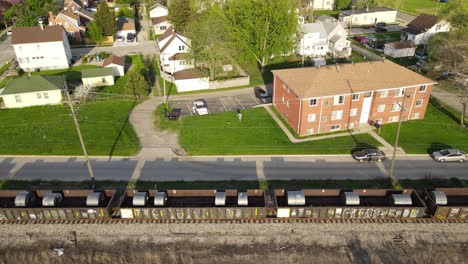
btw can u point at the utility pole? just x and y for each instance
(395, 146)
(77, 126)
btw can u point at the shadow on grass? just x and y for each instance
(444, 110)
(361, 145)
(436, 146)
(121, 130)
(429, 183)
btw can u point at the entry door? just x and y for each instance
(366, 105)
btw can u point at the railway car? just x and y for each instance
(447, 203)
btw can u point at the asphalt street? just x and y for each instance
(227, 168)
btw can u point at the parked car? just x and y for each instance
(200, 107)
(9, 32)
(130, 37)
(421, 55)
(369, 155)
(120, 38)
(372, 38)
(380, 29)
(380, 25)
(263, 96)
(361, 39)
(449, 155)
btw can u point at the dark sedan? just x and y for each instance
(263, 96)
(369, 155)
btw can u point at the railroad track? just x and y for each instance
(235, 221)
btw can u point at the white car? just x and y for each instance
(200, 107)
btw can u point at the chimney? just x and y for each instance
(41, 23)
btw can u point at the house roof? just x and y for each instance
(23, 35)
(114, 60)
(96, 72)
(329, 26)
(68, 2)
(314, 28)
(157, 20)
(370, 10)
(423, 22)
(69, 14)
(84, 13)
(412, 31)
(157, 5)
(335, 38)
(169, 31)
(178, 56)
(34, 83)
(189, 74)
(348, 78)
(172, 33)
(404, 44)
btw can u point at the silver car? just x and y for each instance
(449, 155)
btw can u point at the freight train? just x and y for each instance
(256, 204)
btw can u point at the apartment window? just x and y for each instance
(313, 102)
(422, 88)
(310, 131)
(393, 119)
(381, 108)
(353, 112)
(367, 94)
(415, 115)
(355, 97)
(183, 63)
(181, 48)
(334, 127)
(337, 115)
(395, 107)
(399, 92)
(18, 98)
(39, 95)
(384, 93)
(311, 117)
(419, 102)
(46, 95)
(339, 100)
(162, 27)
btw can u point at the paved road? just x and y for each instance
(227, 168)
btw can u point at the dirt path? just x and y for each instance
(235, 243)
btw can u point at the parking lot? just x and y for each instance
(217, 105)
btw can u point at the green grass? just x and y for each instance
(49, 130)
(72, 74)
(171, 89)
(4, 67)
(433, 183)
(420, 6)
(438, 130)
(257, 133)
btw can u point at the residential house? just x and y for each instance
(116, 63)
(399, 49)
(318, 100)
(368, 16)
(325, 18)
(41, 48)
(191, 80)
(70, 22)
(423, 27)
(321, 5)
(171, 46)
(70, 4)
(33, 91)
(319, 39)
(126, 26)
(160, 25)
(97, 77)
(158, 10)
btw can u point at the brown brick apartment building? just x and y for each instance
(316, 100)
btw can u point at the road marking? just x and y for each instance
(137, 171)
(239, 103)
(15, 169)
(189, 110)
(219, 99)
(260, 171)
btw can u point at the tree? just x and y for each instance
(262, 28)
(180, 14)
(209, 44)
(95, 32)
(26, 13)
(343, 4)
(137, 84)
(105, 19)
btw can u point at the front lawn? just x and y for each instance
(72, 73)
(256, 134)
(440, 129)
(49, 130)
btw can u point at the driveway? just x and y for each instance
(143, 47)
(357, 31)
(6, 51)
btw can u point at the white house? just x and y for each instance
(126, 25)
(33, 91)
(338, 44)
(190, 80)
(97, 77)
(41, 48)
(116, 63)
(368, 16)
(399, 49)
(322, 4)
(313, 42)
(171, 47)
(423, 27)
(158, 10)
(160, 25)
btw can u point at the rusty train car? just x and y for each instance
(255, 204)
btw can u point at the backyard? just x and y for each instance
(49, 130)
(438, 130)
(257, 133)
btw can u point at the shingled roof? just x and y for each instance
(34, 83)
(23, 35)
(404, 44)
(333, 80)
(113, 60)
(423, 22)
(157, 20)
